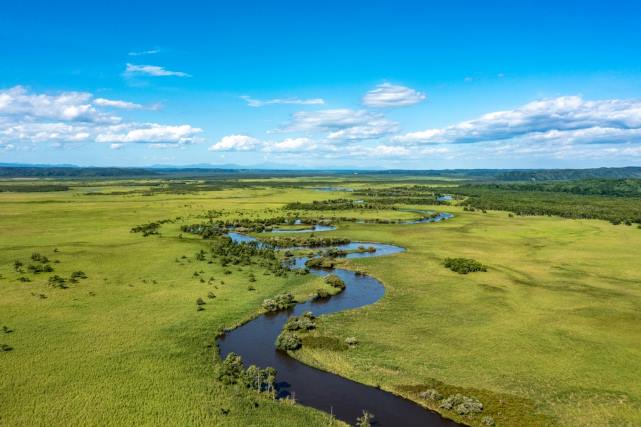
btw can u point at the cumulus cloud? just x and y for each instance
(290, 145)
(150, 133)
(569, 119)
(152, 70)
(282, 101)
(68, 106)
(390, 95)
(389, 151)
(46, 132)
(238, 142)
(114, 103)
(342, 124)
(76, 117)
(144, 52)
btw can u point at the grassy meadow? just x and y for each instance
(549, 335)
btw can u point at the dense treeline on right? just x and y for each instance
(617, 201)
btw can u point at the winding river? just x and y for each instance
(331, 393)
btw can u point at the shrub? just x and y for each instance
(200, 301)
(320, 262)
(279, 302)
(231, 369)
(305, 322)
(5, 347)
(58, 282)
(147, 229)
(77, 275)
(462, 405)
(40, 268)
(17, 265)
(321, 294)
(351, 341)
(335, 281)
(487, 421)
(288, 341)
(431, 394)
(39, 258)
(211, 295)
(365, 420)
(463, 265)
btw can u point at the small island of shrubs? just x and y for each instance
(464, 265)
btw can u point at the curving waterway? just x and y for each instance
(331, 393)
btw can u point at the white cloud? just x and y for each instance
(568, 119)
(236, 142)
(152, 70)
(76, 117)
(389, 151)
(151, 133)
(390, 95)
(342, 124)
(67, 106)
(46, 132)
(290, 145)
(116, 146)
(102, 102)
(144, 52)
(282, 101)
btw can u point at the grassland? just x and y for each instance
(549, 335)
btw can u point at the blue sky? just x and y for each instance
(327, 84)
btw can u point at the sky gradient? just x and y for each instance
(461, 84)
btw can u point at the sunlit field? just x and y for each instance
(549, 335)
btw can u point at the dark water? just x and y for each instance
(346, 399)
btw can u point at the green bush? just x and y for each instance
(365, 420)
(305, 322)
(58, 282)
(431, 394)
(335, 281)
(279, 302)
(351, 341)
(288, 341)
(462, 405)
(463, 265)
(320, 262)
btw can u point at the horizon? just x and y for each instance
(409, 86)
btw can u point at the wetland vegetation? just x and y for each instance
(98, 286)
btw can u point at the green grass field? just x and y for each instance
(549, 335)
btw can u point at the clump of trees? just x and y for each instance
(232, 371)
(320, 262)
(617, 203)
(335, 281)
(279, 302)
(76, 276)
(288, 341)
(462, 405)
(304, 242)
(335, 205)
(147, 229)
(463, 265)
(58, 282)
(42, 264)
(306, 322)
